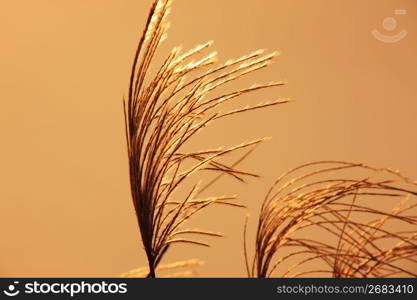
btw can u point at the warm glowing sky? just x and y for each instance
(64, 200)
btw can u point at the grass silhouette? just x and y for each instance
(164, 111)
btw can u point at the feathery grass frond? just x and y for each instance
(162, 113)
(345, 206)
(186, 264)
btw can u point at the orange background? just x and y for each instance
(65, 207)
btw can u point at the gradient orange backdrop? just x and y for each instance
(65, 207)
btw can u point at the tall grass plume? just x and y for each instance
(163, 112)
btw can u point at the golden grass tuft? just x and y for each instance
(187, 265)
(162, 113)
(352, 209)
(346, 207)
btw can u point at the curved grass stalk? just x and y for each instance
(188, 267)
(343, 205)
(162, 113)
